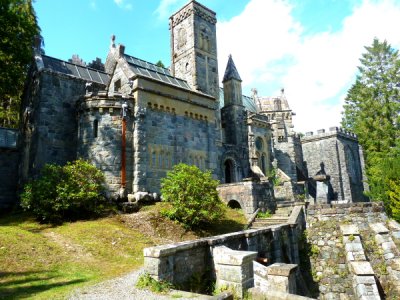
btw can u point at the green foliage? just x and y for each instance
(18, 29)
(193, 196)
(372, 111)
(145, 281)
(314, 251)
(266, 214)
(72, 191)
(274, 176)
(160, 64)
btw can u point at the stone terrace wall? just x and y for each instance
(178, 263)
(9, 158)
(329, 268)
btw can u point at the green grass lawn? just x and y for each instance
(39, 261)
(44, 262)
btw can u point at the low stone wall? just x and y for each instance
(364, 211)
(180, 263)
(250, 195)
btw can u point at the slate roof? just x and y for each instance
(68, 68)
(144, 68)
(247, 101)
(231, 71)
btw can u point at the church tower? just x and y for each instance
(194, 47)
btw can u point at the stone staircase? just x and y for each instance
(281, 215)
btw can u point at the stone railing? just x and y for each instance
(8, 138)
(179, 263)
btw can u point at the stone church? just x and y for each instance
(135, 120)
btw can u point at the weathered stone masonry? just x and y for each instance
(9, 155)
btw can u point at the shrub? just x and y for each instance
(145, 281)
(193, 196)
(72, 191)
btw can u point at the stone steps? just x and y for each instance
(265, 222)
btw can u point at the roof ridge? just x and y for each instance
(146, 62)
(71, 63)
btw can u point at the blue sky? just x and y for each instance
(309, 47)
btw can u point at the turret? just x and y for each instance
(232, 84)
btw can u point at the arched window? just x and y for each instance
(263, 163)
(95, 128)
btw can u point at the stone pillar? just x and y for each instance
(294, 245)
(234, 269)
(278, 277)
(276, 244)
(322, 182)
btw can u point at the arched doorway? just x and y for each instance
(234, 204)
(229, 171)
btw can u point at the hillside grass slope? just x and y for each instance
(40, 261)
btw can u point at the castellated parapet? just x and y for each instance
(322, 134)
(336, 153)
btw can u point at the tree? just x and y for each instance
(372, 111)
(192, 194)
(18, 31)
(160, 64)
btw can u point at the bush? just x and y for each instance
(193, 196)
(145, 281)
(69, 192)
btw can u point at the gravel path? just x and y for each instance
(123, 288)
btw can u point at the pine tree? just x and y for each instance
(372, 111)
(18, 30)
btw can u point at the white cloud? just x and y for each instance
(271, 50)
(167, 7)
(122, 4)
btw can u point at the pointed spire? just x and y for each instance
(231, 71)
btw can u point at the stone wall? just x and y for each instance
(179, 263)
(333, 252)
(50, 131)
(250, 195)
(100, 139)
(336, 153)
(9, 158)
(173, 139)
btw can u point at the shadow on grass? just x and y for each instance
(219, 227)
(33, 283)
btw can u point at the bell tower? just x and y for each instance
(194, 47)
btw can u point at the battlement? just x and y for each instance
(8, 138)
(196, 8)
(332, 132)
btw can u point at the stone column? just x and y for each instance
(234, 269)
